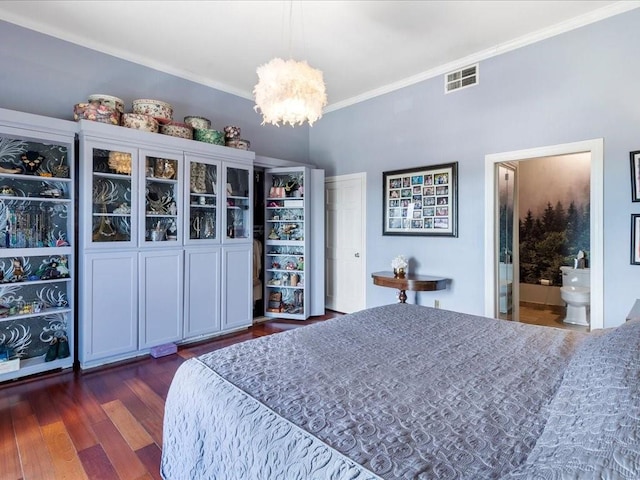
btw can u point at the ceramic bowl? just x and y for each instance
(238, 143)
(96, 112)
(200, 123)
(161, 111)
(108, 100)
(140, 122)
(231, 132)
(176, 129)
(209, 136)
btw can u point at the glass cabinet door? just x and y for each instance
(112, 196)
(238, 196)
(202, 200)
(161, 190)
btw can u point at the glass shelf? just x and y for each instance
(112, 175)
(6, 198)
(43, 312)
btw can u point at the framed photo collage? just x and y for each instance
(421, 201)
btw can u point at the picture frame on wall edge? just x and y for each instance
(635, 176)
(421, 201)
(635, 239)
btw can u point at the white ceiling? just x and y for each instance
(364, 48)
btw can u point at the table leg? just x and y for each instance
(403, 296)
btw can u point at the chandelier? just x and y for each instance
(289, 91)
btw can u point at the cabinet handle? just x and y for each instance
(357, 255)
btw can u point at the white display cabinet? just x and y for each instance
(294, 243)
(37, 234)
(181, 208)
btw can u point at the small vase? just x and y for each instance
(157, 235)
(398, 272)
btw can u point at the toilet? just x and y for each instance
(576, 293)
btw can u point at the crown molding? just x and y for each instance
(563, 27)
(560, 28)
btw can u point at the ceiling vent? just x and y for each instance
(465, 77)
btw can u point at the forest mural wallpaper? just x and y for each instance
(554, 215)
(552, 239)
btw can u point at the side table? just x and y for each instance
(416, 283)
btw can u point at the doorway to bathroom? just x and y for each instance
(543, 206)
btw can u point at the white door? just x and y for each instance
(345, 242)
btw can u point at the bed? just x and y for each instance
(409, 392)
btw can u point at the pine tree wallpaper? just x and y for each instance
(554, 214)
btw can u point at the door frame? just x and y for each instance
(596, 148)
(362, 177)
(515, 247)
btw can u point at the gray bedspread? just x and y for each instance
(393, 392)
(593, 426)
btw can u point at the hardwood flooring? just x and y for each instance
(547, 315)
(101, 424)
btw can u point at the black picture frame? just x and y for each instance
(635, 175)
(635, 239)
(421, 201)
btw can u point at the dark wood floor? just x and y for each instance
(101, 424)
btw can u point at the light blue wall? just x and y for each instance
(46, 76)
(581, 85)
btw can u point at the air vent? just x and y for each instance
(465, 77)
